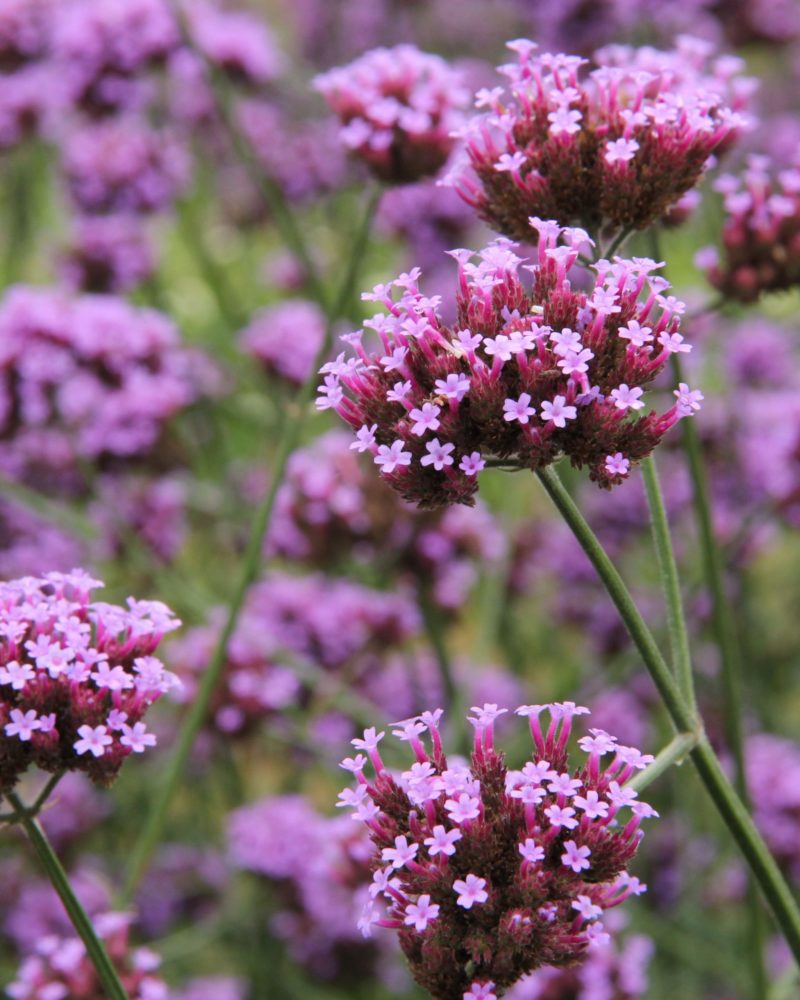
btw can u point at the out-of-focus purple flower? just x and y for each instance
(31, 545)
(611, 971)
(285, 339)
(23, 32)
(398, 108)
(102, 48)
(107, 253)
(521, 376)
(321, 869)
(37, 913)
(86, 378)
(509, 869)
(290, 624)
(124, 165)
(431, 219)
(59, 968)
(761, 235)
(331, 509)
(183, 883)
(154, 507)
(616, 149)
(773, 773)
(25, 104)
(306, 158)
(76, 676)
(73, 809)
(236, 42)
(211, 988)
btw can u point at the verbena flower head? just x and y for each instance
(332, 508)
(612, 149)
(23, 32)
(285, 339)
(76, 676)
(761, 235)
(60, 969)
(523, 375)
(398, 108)
(489, 873)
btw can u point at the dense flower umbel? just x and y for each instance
(761, 235)
(398, 108)
(60, 969)
(76, 676)
(488, 873)
(524, 376)
(615, 149)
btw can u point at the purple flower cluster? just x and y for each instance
(86, 378)
(288, 625)
(616, 149)
(523, 376)
(60, 969)
(398, 109)
(321, 868)
(761, 234)
(489, 873)
(77, 677)
(285, 339)
(123, 165)
(236, 42)
(102, 49)
(776, 807)
(330, 509)
(107, 254)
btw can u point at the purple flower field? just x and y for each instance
(399, 500)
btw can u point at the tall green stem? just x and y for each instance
(730, 659)
(251, 564)
(269, 189)
(680, 654)
(60, 882)
(734, 814)
(724, 625)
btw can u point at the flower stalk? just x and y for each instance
(733, 812)
(60, 882)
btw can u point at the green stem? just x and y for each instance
(724, 626)
(617, 242)
(675, 752)
(215, 278)
(680, 654)
(733, 812)
(251, 565)
(270, 191)
(60, 882)
(730, 659)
